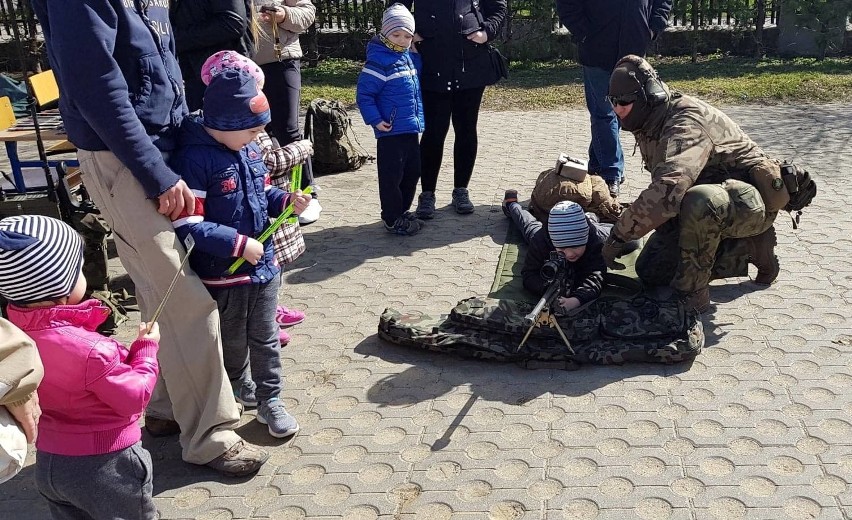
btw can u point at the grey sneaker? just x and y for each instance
(461, 201)
(426, 205)
(241, 459)
(244, 394)
(273, 414)
(405, 226)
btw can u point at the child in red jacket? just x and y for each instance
(90, 460)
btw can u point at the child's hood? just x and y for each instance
(381, 53)
(88, 314)
(192, 132)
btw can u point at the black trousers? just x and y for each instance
(439, 109)
(283, 90)
(398, 162)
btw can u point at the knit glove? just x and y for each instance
(611, 250)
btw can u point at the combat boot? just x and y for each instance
(699, 300)
(762, 255)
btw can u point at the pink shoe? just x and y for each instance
(288, 317)
(283, 337)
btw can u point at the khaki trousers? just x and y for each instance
(192, 388)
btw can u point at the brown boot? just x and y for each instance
(763, 257)
(161, 427)
(241, 459)
(699, 300)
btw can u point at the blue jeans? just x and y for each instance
(605, 155)
(250, 345)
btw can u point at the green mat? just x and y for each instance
(508, 283)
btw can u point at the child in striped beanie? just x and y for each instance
(94, 388)
(570, 233)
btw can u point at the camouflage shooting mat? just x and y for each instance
(622, 326)
(508, 283)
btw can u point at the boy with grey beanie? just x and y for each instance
(574, 235)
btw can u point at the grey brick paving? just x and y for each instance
(759, 426)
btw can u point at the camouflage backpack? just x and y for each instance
(329, 127)
(606, 331)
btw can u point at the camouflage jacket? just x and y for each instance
(685, 142)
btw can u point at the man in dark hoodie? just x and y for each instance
(604, 31)
(122, 103)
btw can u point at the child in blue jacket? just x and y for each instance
(220, 161)
(388, 96)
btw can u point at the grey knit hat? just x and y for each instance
(40, 258)
(396, 17)
(567, 225)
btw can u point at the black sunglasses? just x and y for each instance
(623, 100)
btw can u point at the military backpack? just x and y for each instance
(329, 127)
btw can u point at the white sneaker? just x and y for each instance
(311, 213)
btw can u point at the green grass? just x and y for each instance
(558, 84)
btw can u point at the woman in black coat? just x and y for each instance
(452, 37)
(204, 27)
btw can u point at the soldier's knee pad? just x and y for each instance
(703, 201)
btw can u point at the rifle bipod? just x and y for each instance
(546, 317)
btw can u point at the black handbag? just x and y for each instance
(499, 62)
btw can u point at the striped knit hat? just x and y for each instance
(396, 17)
(567, 225)
(40, 258)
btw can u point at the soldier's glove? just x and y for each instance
(612, 250)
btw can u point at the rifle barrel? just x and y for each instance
(549, 295)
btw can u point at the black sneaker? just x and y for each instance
(404, 226)
(426, 205)
(511, 196)
(461, 201)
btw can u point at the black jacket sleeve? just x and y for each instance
(227, 20)
(660, 10)
(537, 253)
(573, 17)
(494, 13)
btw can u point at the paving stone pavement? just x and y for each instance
(759, 426)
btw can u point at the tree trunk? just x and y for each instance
(759, 19)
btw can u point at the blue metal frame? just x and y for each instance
(16, 165)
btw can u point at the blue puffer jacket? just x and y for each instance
(234, 201)
(121, 86)
(389, 90)
(607, 30)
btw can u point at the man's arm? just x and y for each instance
(659, 20)
(573, 17)
(228, 21)
(20, 365)
(92, 79)
(494, 13)
(687, 149)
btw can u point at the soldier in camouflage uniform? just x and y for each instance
(713, 197)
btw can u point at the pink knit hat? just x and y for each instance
(227, 60)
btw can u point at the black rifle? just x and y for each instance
(556, 273)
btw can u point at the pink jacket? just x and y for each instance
(94, 388)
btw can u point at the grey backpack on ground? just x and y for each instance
(329, 127)
(605, 332)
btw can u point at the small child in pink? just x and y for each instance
(90, 462)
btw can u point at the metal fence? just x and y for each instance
(365, 14)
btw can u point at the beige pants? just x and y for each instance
(192, 387)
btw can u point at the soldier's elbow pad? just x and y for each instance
(766, 177)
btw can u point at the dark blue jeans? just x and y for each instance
(250, 336)
(605, 155)
(398, 161)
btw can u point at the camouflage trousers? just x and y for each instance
(708, 239)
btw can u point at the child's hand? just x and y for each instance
(569, 303)
(253, 251)
(417, 38)
(383, 127)
(300, 201)
(478, 37)
(307, 146)
(154, 335)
